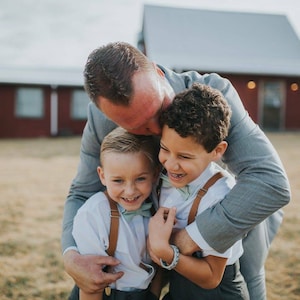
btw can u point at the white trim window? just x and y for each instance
(29, 103)
(79, 103)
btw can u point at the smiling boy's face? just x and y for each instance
(128, 178)
(183, 158)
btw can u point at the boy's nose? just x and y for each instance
(171, 164)
(129, 189)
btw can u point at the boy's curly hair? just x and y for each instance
(200, 112)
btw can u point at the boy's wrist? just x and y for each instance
(172, 263)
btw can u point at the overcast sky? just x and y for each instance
(61, 33)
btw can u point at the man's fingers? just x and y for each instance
(112, 276)
(107, 260)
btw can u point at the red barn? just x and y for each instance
(40, 102)
(258, 53)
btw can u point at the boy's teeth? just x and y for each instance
(130, 199)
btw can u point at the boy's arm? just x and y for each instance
(206, 272)
(184, 242)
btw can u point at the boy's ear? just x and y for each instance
(100, 172)
(220, 150)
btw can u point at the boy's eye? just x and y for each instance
(185, 157)
(118, 180)
(163, 148)
(141, 178)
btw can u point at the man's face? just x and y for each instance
(151, 94)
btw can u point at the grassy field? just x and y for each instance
(35, 175)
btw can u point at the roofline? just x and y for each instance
(42, 76)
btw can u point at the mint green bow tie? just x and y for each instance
(184, 191)
(144, 211)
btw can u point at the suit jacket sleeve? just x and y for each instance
(262, 185)
(86, 182)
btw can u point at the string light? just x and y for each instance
(251, 85)
(294, 87)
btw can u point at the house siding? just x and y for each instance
(250, 98)
(12, 126)
(292, 118)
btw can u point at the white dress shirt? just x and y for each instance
(91, 232)
(170, 197)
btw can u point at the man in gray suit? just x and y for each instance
(129, 90)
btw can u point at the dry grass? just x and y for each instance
(35, 175)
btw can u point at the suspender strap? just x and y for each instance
(201, 193)
(114, 226)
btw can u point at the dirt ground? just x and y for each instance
(35, 175)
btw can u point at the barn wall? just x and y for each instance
(292, 113)
(12, 126)
(248, 96)
(66, 124)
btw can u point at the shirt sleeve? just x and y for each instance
(196, 236)
(91, 226)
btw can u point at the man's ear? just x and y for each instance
(220, 150)
(100, 172)
(158, 70)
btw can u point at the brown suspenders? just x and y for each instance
(115, 215)
(201, 193)
(114, 212)
(114, 226)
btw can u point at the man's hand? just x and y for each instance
(183, 241)
(86, 270)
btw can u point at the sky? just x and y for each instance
(61, 33)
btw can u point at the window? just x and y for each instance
(79, 104)
(29, 103)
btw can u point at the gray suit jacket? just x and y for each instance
(262, 185)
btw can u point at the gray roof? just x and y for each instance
(42, 76)
(228, 42)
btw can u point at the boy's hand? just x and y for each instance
(160, 229)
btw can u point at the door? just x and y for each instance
(272, 100)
